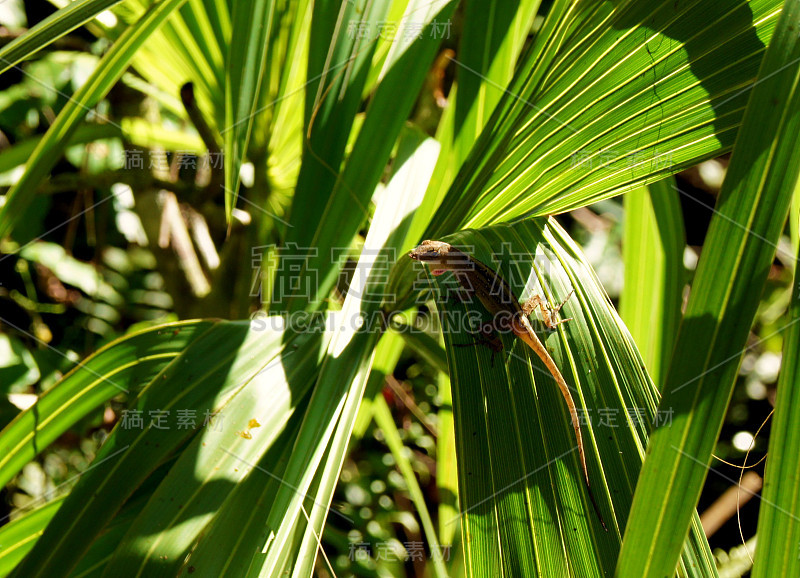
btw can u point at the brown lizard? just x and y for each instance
(496, 295)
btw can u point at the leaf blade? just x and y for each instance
(739, 248)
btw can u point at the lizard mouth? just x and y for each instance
(438, 271)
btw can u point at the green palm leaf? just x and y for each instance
(611, 95)
(752, 210)
(521, 485)
(208, 381)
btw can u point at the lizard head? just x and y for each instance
(435, 253)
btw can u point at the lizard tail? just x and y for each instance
(573, 412)
(524, 331)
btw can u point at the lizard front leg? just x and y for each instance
(537, 301)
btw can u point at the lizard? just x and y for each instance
(498, 298)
